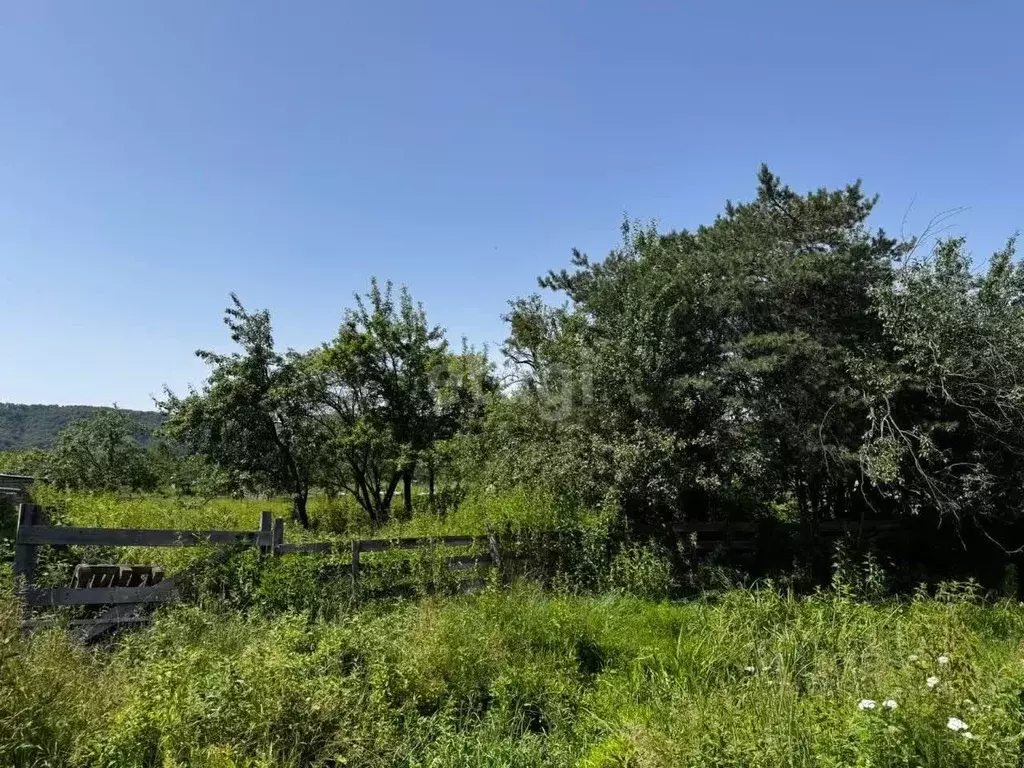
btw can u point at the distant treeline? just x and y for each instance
(23, 427)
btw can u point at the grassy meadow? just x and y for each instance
(257, 672)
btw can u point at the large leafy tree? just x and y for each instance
(373, 386)
(102, 453)
(946, 422)
(706, 372)
(253, 415)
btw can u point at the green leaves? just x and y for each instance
(253, 415)
(950, 410)
(720, 356)
(101, 453)
(386, 390)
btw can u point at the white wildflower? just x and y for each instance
(913, 657)
(932, 681)
(866, 704)
(750, 670)
(943, 659)
(956, 724)
(890, 704)
(967, 734)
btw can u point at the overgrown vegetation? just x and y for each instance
(784, 365)
(523, 678)
(785, 361)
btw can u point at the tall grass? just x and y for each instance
(338, 520)
(480, 513)
(273, 665)
(523, 678)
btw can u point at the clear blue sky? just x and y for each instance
(155, 156)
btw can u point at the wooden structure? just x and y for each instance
(127, 592)
(747, 536)
(462, 563)
(16, 488)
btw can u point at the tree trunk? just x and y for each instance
(407, 490)
(430, 476)
(384, 503)
(299, 507)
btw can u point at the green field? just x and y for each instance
(521, 678)
(264, 675)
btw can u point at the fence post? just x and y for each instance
(25, 555)
(355, 568)
(495, 552)
(278, 536)
(1017, 563)
(266, 532)
(1020, 703)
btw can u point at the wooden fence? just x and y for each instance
(15, 488)
(747, 536)
(125, 594)
(128, 604)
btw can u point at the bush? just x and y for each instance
(642, 571)
(341, 515)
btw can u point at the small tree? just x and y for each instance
(253, 415)
(460, 390)
(375, 395)
(102, 453)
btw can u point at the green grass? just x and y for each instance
(339, 517)
(521, 678)
(274, 666)
(337, 520)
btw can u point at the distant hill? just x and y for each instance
(37, 426)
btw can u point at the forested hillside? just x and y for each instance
(37, 426)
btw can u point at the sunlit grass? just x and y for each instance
(275, 666)
(521, 678)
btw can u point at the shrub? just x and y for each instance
(642, 571)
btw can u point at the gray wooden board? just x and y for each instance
(380, 545)
(132, 537)
(103, 596)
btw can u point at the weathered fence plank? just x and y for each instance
(25, 555)
(266, 532)
(326, 548)
(277, 536)
(468, 562)
(380, 545)
(134, 537)
(102, 596)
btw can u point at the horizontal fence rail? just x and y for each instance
(128, 591)
(98, 596)
(379, 545)
(136, 537)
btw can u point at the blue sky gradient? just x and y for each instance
(155, 156)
